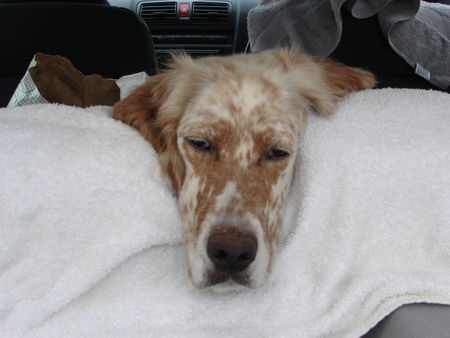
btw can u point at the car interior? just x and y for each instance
(115, 38)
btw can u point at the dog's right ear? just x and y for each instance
(323, 82)
(142, 110)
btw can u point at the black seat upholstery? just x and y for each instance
(99, 39)
(363, 45)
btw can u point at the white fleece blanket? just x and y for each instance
(90, 241)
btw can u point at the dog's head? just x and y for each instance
(226, 130)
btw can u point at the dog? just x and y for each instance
(226, 130)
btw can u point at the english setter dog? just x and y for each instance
(226, 130)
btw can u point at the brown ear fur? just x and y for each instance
(340, 80)
(343, 79)
(141, 110)
(323, 82)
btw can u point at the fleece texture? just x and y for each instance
(91, 243)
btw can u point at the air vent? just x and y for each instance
(207, 12)
(158, 13)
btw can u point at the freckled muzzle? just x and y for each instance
(231, 251)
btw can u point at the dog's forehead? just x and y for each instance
(244, 101)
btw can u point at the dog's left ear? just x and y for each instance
(323, 82)
(342, 80)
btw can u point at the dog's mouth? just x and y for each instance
(217, 277)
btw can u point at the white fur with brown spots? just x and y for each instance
(226, 130)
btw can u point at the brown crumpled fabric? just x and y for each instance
(59, 81)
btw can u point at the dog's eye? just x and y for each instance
(198, 143)
(277, 154)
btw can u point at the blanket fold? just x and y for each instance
(91, 244)
(76, 191)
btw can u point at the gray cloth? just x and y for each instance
(414, 321)
(418, 31)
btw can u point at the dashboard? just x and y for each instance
(198, 27)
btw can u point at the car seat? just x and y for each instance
(97, 38)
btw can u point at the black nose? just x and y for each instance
(231, 249)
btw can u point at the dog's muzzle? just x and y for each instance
(231, 251)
